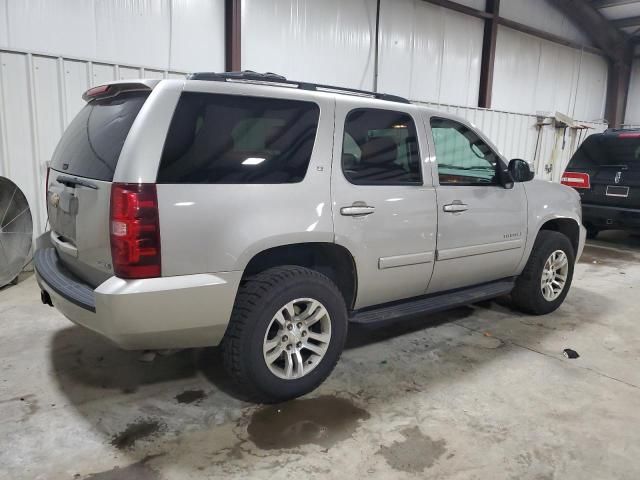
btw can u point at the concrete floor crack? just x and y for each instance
(597, 372)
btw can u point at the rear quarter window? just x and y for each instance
(235, 139)
(91, 144)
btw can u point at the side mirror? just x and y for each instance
(520, 171)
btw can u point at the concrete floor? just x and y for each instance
(477, 392)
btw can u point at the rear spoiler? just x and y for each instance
(113, 89)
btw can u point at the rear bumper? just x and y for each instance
(155, 313)
(603, 217)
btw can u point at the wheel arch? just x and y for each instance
(330, 259)
(567, 226)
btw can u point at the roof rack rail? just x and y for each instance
(279, 80)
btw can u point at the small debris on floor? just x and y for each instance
(570, 353)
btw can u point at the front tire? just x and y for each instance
(286, 333)
(546, 279)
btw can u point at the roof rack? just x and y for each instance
(278, 80)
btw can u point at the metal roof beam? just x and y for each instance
(487, 63)
(605, 35)
(627, 22)
(611, 3)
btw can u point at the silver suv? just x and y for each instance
(264, 215)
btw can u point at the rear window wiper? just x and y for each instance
(73, 182)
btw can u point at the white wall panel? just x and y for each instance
(103, 73)
(184, 35)
(4, 23)
(545, 16)
(18, 135)
(52, 26)
(592, 88)
(197, 35)
(324, 42)
(532, 74)
(133, 32)
(39, 96)
(633, 100)
(429, 53)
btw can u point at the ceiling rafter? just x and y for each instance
(627, 22)
(612, 3)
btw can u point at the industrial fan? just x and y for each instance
(16, 231)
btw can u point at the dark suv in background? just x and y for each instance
(605, 170)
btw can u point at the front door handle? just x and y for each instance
(358, 209)
(455, 207)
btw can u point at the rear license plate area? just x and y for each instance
(617, 191)
(63, 208)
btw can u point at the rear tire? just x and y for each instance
(268, 349)
(592, 233)
(537, 289)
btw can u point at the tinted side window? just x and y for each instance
(91, 144)
(237, 139)
(380, 147)
(463, 157)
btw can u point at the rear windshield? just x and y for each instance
(217, 138)
(91, 145)
(604, 151)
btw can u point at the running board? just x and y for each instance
(433, 303)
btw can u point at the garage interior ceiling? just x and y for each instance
(623, 14)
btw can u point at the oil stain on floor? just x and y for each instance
(322, 421)
(190, 396)
(138, 430)
(417, 452)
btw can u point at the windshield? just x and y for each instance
(91, 145)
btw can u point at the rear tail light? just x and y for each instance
(629, 135)
(135, 230)
(576, 180)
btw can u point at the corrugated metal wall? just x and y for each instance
(632, 116)
(518, 135)
(555, 77)
(426, 53)
(545, 16)
(39, 96)
(429, 53)
(331, 41)
(165, 34)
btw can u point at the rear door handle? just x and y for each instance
(357, 210)
(455, 207)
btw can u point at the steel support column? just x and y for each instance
(232, 36)
(617, 91)
(488, 53)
